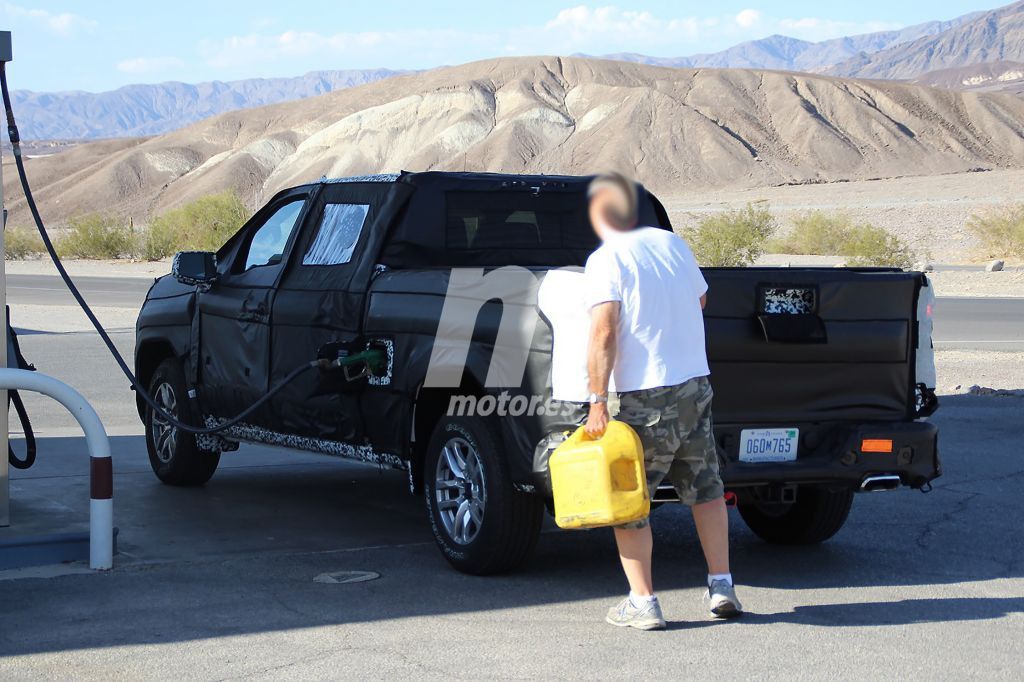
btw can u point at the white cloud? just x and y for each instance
(582, 28)
(583, 25)
(140, 65)
(748, 18)
(63, 24)
(370, 46)
(814, 28)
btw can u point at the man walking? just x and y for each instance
(646, 296)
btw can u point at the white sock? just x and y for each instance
(727, 577)
(638, 600)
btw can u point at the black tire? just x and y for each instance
(503, 534)
(815, 516)
(174, 456)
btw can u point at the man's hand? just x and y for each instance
(597, 420)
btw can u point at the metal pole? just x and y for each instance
(101, 487)
(5, 476)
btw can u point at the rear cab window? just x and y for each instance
(515, 220)
(337, 234)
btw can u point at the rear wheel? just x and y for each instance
(816, 515)
(173, 454)
(480, 522)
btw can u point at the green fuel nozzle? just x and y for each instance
(367, 362)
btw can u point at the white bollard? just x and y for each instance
(101, 487)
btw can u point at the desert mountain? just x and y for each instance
(159, 108)
(792, 54)
(990, 36)
(673, 128)
(989, 77)
(138, 110)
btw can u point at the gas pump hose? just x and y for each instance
(12, 131)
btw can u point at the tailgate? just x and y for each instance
(790, 345)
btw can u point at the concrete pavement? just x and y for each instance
(219, 582)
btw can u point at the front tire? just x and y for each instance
(815, 516)
(480, 522)
(173, 454)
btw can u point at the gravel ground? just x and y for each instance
(959, 370)
(930, 212)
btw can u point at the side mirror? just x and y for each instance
(195, 268)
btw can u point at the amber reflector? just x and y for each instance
(876, 445)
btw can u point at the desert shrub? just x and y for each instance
(733, 238)
(97, 237)
(816, 233)
(21, 243)
(1000, 230)
(870, 245)
(203, 225)
(824, 234)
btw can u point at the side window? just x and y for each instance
(269, 241)
(337, 235)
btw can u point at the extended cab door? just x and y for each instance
(235, 314)
(319, 308)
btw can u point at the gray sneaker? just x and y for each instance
(647, 617)
(722, 601)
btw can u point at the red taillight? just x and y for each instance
(876, 445)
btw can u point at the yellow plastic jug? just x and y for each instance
(599, 482)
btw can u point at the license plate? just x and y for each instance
(768, 445)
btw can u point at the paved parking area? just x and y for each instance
(218, 583)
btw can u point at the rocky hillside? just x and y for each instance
(991, 36)
(793, 54)
(989, 77)
(676, 129)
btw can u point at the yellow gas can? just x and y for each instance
(599, 482)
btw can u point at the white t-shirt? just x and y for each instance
(655, 277)
(562, 298)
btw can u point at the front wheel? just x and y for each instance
(173, 454)
(816, 515)
(480, 522)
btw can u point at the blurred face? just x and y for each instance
(606, 208)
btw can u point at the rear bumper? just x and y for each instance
(830, 454)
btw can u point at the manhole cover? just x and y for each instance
(346, 577)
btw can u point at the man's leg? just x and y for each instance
(644, 411)
(635, 548)
(695, 475)
(712, 520)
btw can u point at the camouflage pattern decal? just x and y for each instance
(794, 301)
(674, 425)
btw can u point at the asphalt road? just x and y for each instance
(221, 581)
(117, 292)
(968, 323)
(979, 324)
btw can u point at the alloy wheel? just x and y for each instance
(460, 493)
(165, 436)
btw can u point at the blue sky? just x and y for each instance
(68, 44)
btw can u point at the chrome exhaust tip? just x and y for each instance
(880, 482)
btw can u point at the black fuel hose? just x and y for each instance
(12, 132)
(30, 435)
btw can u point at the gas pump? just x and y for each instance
(6, 55)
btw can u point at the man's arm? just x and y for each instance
(703, 301)
(604, 324)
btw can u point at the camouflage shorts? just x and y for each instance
(674, 425)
